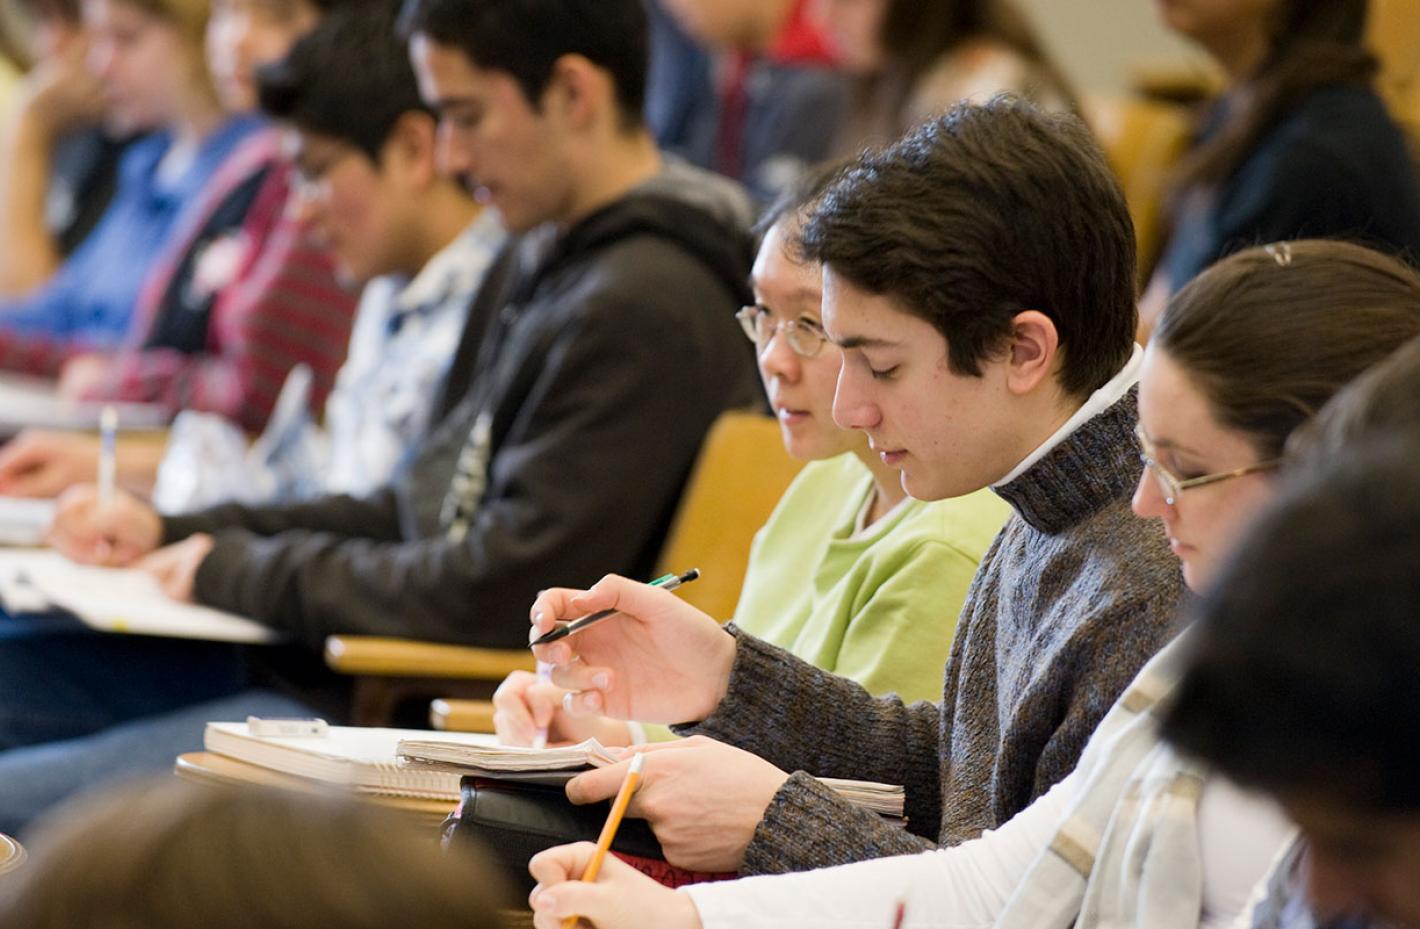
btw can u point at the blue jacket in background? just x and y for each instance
(793, 110)
(90, 300)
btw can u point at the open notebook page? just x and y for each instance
(114, 599)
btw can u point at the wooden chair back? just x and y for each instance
(1143, 140)
(741, 473)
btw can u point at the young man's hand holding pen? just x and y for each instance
(91, 531)
(660, 661)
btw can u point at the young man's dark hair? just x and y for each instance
(349, 79)
(981, 214)
(525, 38)
(1303, 681)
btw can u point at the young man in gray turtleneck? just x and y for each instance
(979, 280)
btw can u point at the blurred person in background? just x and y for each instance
(147, 55)
(238, 297)
(747, 88)
(1298, 146)
(58, 161)
(414, 238)
(913, 61)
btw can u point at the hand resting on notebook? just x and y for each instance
(703, 798)
(175, 566)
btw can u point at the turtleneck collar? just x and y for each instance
(1087, 470)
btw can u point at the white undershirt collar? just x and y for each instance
(1099, 401)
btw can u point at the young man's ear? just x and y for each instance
(579, 93)
(412, 146)
(1034, 352)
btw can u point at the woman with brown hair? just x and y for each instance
(915, 60)
(1298, 146)
(1138, 834)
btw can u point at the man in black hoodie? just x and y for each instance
(603, 346)
(609, 346)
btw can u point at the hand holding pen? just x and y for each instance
(562, 630)
(659, 660)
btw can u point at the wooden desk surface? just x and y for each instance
(209, 768)
(12, 854)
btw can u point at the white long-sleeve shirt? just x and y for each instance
(966, 887)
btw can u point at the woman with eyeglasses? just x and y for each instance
(1137, 834)
(1236, 365)
(849, 573)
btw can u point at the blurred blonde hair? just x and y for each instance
(168, 855)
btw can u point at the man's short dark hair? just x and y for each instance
(525, 38)
(1303, 679)
(984, 213)
(349, 79)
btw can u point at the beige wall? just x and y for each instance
(1099, 42)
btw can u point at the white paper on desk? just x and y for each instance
(25, 522)
(31, 402)
(118, 599)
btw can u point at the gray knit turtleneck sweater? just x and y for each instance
(1072, 598)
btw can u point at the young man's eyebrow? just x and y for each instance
(863, 341)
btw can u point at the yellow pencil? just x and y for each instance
(613, 822)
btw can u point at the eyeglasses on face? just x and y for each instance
(1172, 486)
(804, 335)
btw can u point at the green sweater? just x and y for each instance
(879, 607)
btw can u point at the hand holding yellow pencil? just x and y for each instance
(613, 822)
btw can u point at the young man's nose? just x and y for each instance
(852, 410)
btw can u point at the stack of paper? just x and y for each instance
(357, 758)
(493, 758)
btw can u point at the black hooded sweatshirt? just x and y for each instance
(594, 363)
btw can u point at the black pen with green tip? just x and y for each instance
(665, 582)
